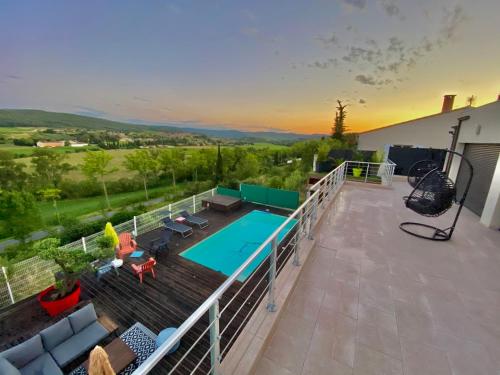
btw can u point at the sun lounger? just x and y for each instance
(182, 229)
(195, 220)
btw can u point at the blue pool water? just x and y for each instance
(227, 249)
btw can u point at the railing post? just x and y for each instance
(271, 304)
(84, 245)
(296, 255)
(366, 174)
(213, 314)
(11, 295)
(194, 204)
(135, 226)
(309, 224)
(170, 210)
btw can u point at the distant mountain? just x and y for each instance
(46, 119)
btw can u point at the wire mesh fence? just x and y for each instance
(28, 277)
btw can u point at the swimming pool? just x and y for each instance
(227, 249)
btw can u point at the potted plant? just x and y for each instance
(357, 171)
(65, 293)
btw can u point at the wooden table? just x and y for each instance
(108, 323)
(120, 355)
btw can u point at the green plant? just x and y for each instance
(377, 157)
(106, 246)
(72, 262)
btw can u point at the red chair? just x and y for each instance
(127, 245)
(140, 269)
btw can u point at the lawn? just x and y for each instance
(87, 206)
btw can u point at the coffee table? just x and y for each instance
(120, 355)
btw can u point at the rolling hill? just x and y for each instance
(46, 119)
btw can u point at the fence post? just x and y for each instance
(84, 244)
(366, 174)
(11, 295)
(135, 226)
(214, 316)
(194, 204)
(170, 210)
(271, 305)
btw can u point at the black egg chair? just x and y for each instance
(433, 194)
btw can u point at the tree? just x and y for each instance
(339, 125)
(52, 194)
(96, 165)
(12, 175)
(295, 181)
(248, 166)
(172, 161)
(49, 167)
(18, 213)
(144, 164)
(73, 263)
(219, 167)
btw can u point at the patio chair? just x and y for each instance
(160, 245)
(141, 269)
(195, 220)
(182, 229)
(127, 245)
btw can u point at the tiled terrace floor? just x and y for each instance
(372, 299)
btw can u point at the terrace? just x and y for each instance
(346, 292)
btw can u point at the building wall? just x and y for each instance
(431, 131)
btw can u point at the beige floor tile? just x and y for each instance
(372, 362)
(343, 299)
(286, 352)
(380, 339)
(420, 359)
(375, 316)
(269, 367)
(376, 294)
(325, 367)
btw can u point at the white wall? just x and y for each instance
(431, 131)
(491, 211)
(488, 118)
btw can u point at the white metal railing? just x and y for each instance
(28, 277)
(216, 335)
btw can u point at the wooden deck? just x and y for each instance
(180, 287)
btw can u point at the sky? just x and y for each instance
(249, 65)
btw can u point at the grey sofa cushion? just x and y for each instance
(56, 334)
(79, 344)
(20, 355)
(7, 368)
(83, 318)
(43, 365)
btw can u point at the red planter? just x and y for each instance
(56, 307)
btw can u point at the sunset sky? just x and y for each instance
(252, 65)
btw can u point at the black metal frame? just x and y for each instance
(440, 234)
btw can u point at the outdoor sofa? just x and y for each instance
(56, 346)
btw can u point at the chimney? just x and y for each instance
(448, 103)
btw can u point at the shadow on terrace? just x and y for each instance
(179, 288)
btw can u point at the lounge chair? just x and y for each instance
(182, 229)
(195, 220)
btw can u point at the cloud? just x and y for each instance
(362, 101)
(366, 80)
(141, 99)
(391, 8)
(323, 64)
(360, 4)
(329, 40)
(12, 76)
(451, 21)
(88, 111)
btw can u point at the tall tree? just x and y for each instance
(52, 194)
(49, 167)
(12, 174)
(339, 124)
(171, 161)
(96, 166)
(144, 164)
(219, 167)
(19, 214)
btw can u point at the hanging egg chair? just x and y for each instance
(433, 194)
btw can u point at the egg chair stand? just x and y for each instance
(433, 194)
